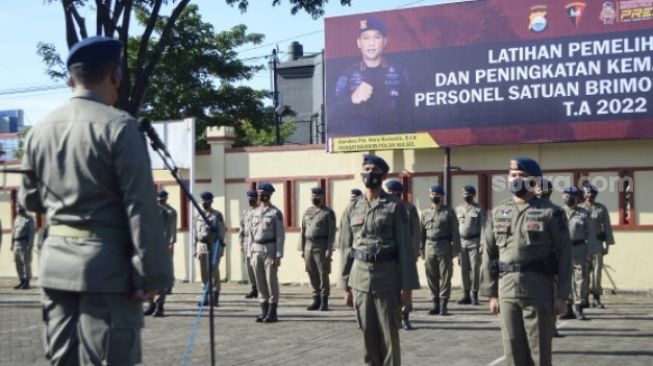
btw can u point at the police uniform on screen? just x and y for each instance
(386, 110)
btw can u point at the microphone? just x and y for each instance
(145, 125)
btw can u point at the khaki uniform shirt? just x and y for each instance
(471, 220)
(205, 238)
(580, 227)
(414, 227)
(171, 232)
(23, 234)
(521, 234)
(379, 226)
(318, 229)
(267, 233)
(91, 170)
(243, 234)
(440, 229)
(600, 218)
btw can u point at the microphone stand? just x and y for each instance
(158, 146)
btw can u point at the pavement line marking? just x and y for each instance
(498, 360)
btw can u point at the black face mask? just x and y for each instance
(372, 180)
(436, 200)
(317, 201)
(469, 199)
(253, 202)
(546, 195)
(518, 187)
(569, 201)
(206, 205)
(264, 197)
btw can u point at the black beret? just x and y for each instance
(94, 49)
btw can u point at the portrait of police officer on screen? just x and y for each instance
(371, 97)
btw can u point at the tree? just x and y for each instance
(113, 17)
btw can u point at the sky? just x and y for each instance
(23, 24)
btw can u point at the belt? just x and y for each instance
(472, 237)
(19, 239)
(100, 232)
(368, 257)
(439, 238)
(323, 237)
(266, 241)
(578, 242)
(538, 267)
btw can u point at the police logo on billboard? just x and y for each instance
(537, 19)
(608, 13)
(635, 10)
(575, 11)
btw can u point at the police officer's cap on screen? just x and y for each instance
(526, 165)
(318, 191)
(266, 187)
(394, 186)
(162, 194)
(469, 189)
(207, 196)
(436, 188)
(377, 162)
(251, 194)
(371, 23)
(94, 49)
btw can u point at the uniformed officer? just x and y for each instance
(354, 194)
(582, 237)
(600, 217)
(381, 267)
(395, 188)
(205, 240)
(440, 243)
(104, 252)
(316, 244)
(518, 266)
(169, 217)
(267, 235)
(471, 219)
(371, 95)
(22, 242)
(345, 251)
(245, 245)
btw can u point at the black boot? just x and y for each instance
(324, 302)
(443, 307)
(315, 305)
(216, 299)
(150, 309)
(579, 312)
(252, 294)
(264, 311)
(569, 314)
(475, 298)
(20, 285)
(557, 334)
(436, 306)
(586, 302)
(25, 285)
(272, 314)
(597, 302)
(466, 300)
(158, 313)
(405, 322)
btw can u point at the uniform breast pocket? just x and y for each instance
(384, 225)
(268, 223)
(535, 233)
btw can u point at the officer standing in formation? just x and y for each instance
(205, 241)
(380, 269)
(22, 242)
(245, 243)
(582, 235)
(316, 244)
(105, 251)
(440, 240)
(168, 214)
(471, 220)
(600, 218)
(267, 235)
(354, 194)
(518, 267)
(395, 188)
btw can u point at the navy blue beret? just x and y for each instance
(162, 194)
(437, 189)
(394, 186)
(206, 195)
(356, 192)
(590, 188)
(376, 161)
(526, 165)
(372, 24)
(266, 187)
(546, 185)
(573, 191)
(95, 49)
(251, 194)
(317, 191)
(469, 189)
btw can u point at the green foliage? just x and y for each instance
(18, 154)
(265, 137)
(313, 7)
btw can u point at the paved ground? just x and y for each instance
(619, 335)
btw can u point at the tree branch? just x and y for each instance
(103, 19)
(81, 23)
(117, 10)
(147, 34)
(123, 35)
(71, 32)
(138, 92)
